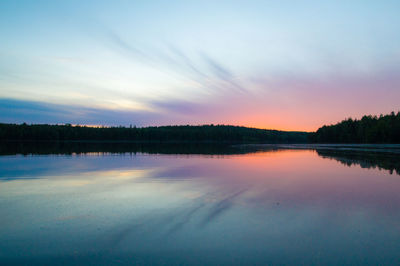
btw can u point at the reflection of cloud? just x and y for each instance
(185, 218)
(182, 172)
(166, 224)
(36, 166)
(230, 188)
(220, 207)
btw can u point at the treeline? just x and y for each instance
(369, 129)
(205, 133)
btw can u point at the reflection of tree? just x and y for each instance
(50, 147)
(365, 159)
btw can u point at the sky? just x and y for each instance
(288, 65)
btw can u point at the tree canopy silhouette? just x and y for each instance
(204, 133)
(369, 129)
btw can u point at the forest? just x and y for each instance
(204, 133)
(368, 129)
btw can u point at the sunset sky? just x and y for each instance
(290, 65)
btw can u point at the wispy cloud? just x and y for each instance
(203, 70)
(18, 111)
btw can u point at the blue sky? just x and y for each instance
(291, 65)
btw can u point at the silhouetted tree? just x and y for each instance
(369, 129)
(205, 133)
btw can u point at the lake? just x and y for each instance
(199, 204)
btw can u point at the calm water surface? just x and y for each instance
(274, 206)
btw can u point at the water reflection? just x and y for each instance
(365, 159)
(383, 157)
(277, 206)
(69, 148)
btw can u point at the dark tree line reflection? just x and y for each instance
(69, 148)
(365, 159)
(384, 158)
